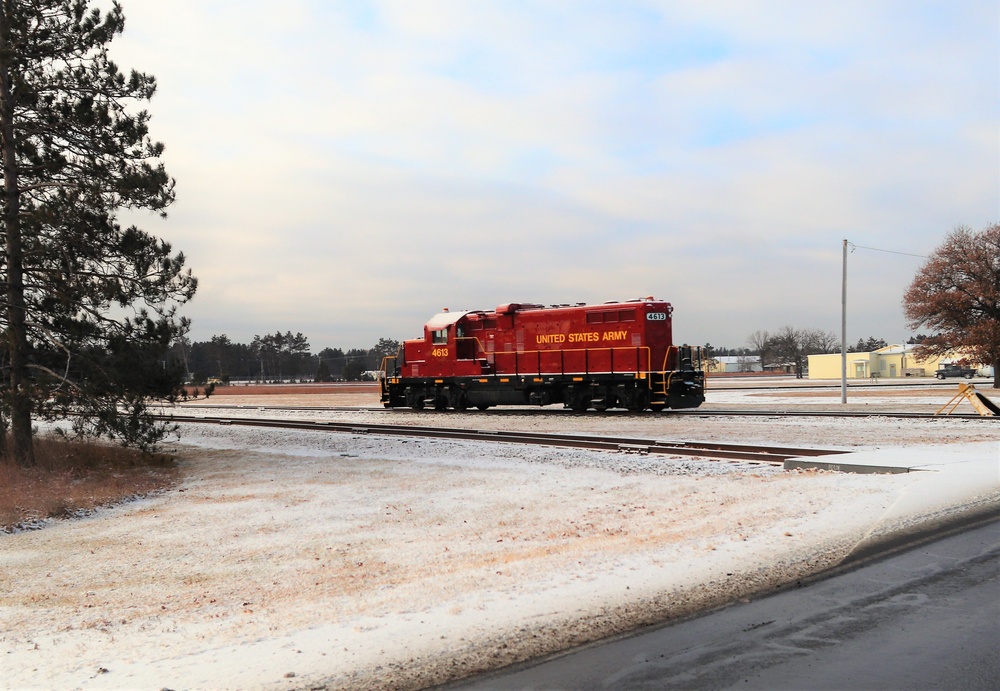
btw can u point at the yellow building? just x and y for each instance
(891, 362)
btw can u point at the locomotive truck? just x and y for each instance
(616, 354)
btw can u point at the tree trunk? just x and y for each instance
(3, 435)
(17, 341)
(996, 372)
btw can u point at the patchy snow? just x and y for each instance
(298, 559)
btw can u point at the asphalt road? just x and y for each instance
(928, 618)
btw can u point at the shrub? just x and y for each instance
(73, 476)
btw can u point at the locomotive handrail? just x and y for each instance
(383, 372)
(642, 353)
(666, 357)
(384, 366)
(481, 353)
(696, 351)
(479, 346)
(663, 370)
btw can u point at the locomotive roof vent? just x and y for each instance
(512, 307)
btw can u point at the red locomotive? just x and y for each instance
(619, 354)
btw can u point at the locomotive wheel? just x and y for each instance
(657, 407)
(482, 407)
(638, 402)
(459, 401)
(414, 397)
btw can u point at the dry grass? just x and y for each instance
(77, 476)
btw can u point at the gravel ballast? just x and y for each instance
(291, 559)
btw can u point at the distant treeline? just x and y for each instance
(276, 357)
(287, 357)
(789, 348)
(828, 344)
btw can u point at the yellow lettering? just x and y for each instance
(615, 335)
(550, 338)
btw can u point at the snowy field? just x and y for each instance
(300, 560)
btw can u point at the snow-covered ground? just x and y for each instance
(296, 559)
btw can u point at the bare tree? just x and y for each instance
(760, 342)
(787, 347)
(817, 341)
(793, 345)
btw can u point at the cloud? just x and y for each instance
(346, 169)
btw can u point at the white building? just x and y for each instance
(736, 363)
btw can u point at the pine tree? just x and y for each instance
(76, 151)
(322, 372)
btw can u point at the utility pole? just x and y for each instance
(843, 329)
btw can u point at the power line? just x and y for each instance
(876, 249)
(843, 310)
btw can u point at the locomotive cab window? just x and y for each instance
(439, 337)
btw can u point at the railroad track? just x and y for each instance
(835, 413)
(709, 450)
(694, 412)
(861, 386)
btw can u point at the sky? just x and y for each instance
(346, 169)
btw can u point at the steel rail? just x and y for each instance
(835, 413)
(711, 450)
(562, 411)
(933, 383)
